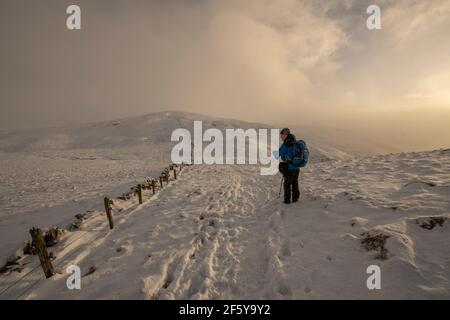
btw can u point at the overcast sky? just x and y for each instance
(308, 62)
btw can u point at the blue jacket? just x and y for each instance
(286, 151)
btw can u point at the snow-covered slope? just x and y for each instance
(222, 232)
(48, 175)
(139, 132)
(147, 129)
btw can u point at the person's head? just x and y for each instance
(284, 133)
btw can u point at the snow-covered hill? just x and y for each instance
(147, 129)
(138, 132)
(221, 231)
(48, 175)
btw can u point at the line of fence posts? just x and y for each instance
(38, 237)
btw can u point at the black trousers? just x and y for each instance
(291, 186)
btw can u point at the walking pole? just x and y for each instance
(281, 184)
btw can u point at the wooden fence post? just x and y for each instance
(166, 174)
(140, 193)
(175, 173)
(160, 182)
(107, 203)
(44, 258)
(153, 185)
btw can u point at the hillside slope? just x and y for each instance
(222, 232)
(49, 175)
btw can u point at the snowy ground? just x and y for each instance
(49, 188)
(222, 232)
(49, 175)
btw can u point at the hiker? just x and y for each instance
(294, 154)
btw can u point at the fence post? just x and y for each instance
(153, 186)
(166, 174)
(175, 173)
(160, 182)
(140, 193)
(44, 258)
(107, 203)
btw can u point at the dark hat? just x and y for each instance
(285, 131)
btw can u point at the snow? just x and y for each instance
(220, 231)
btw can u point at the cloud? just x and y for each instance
(231, 58)
(408, 20)
(255, 57)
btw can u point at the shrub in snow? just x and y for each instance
(375, 242)
(430, 222)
